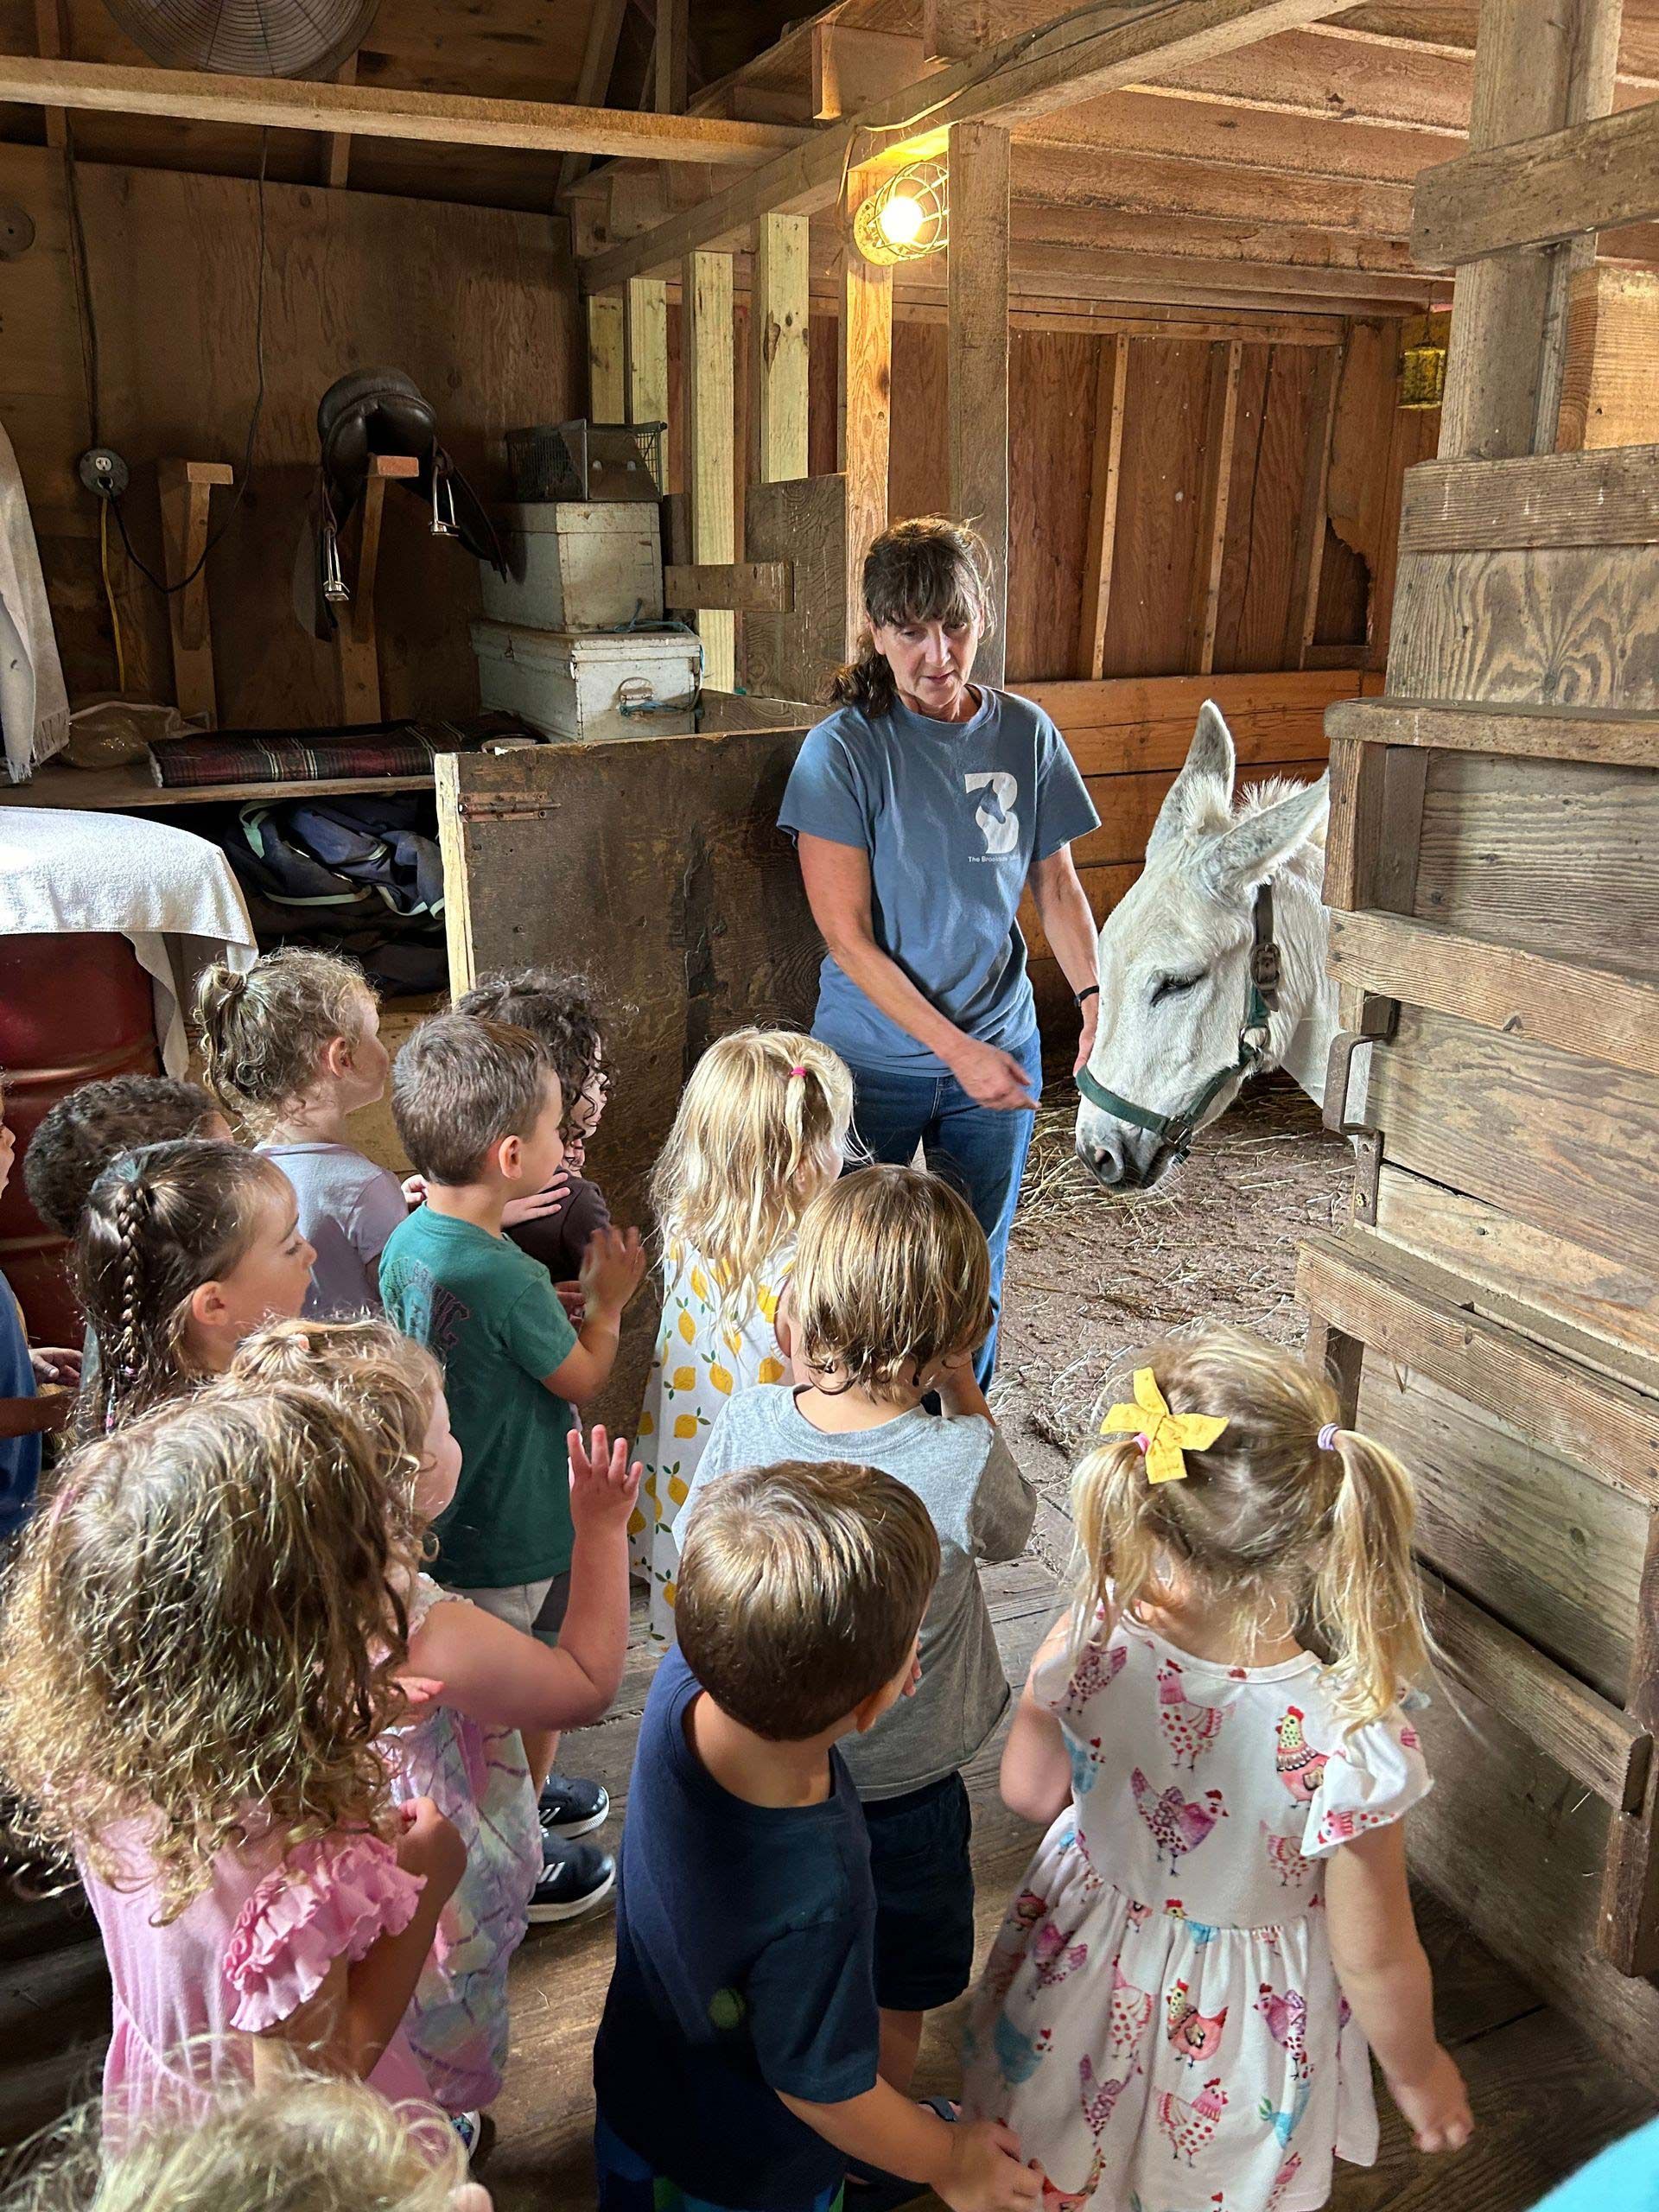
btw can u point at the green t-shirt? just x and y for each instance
(491, 1315)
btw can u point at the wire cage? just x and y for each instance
(906, 218)
(587, 460)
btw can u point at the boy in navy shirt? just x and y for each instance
(737, 2064)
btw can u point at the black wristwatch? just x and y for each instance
(1089, 991)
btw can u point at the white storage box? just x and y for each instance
(575, 566)
(585, 684)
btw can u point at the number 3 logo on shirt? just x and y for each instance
(998, 822)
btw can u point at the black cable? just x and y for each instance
(165, 589)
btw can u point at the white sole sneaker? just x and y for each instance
(573, 1909)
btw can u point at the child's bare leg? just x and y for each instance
(541, 1745)
(901, 2042)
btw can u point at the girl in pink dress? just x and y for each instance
(197, 1660)
(477, 1680)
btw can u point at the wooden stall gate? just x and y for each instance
(1495, 926)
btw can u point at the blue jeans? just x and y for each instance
(979, 1149)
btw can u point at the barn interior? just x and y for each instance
(1295, 356)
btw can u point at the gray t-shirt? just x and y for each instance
(981, 1507)
(953, 816)
(348, 1207)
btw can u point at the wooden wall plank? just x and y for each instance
(1609, 395)
(1604, 498)
(1580, 628)
(1276, 399)
(866, 392)
(1595, 175)
(1053, 373)
(1159, 500)
(1310, 528)
(607, 359)
(977, 329)
(779, 359)
(711, 443)
(1111, 383)
(1596, 734)
(647, 395)
(1221, 426)
(802, 521)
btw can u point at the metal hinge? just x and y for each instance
(1378, 1020)
(482, 809)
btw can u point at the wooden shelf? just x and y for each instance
(124, 789)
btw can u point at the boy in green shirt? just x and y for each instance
(479, 1111)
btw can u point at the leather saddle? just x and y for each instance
(379, 411)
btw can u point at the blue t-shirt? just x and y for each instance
(1622, 2179)
(744, 1966)
(953, 816)
(19, 1456)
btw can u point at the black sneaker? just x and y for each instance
(571, 1807)
(577, 1878)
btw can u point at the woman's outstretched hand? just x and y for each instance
(993, 1078)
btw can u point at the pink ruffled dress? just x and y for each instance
(246, 1953)
(478, 1779)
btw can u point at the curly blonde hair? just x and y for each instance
(309, 2144)
(1285, 1532)
(385, 1380)
(762, 1126)
(264, 1029)
(208, 1617)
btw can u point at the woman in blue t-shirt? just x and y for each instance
(923, 806)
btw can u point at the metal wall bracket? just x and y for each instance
(1378, 1020)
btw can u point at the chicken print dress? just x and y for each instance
(1160, 2020)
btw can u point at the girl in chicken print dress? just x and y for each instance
(1177, 2011)
(762, 1127)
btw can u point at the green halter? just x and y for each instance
(1176, 1131)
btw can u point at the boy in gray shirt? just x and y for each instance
(889, 1300)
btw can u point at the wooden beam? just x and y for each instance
(1592, 177)
(1598, 734)
(978, 354)
(1536, 70)
(1608, 497)
(1221, 424)
(1111, 386)
(1150, 184)
(1097, 49)
(52, 43)
(645, 318)
(1610, 395)
(778, 349)
(373, 111)
(593, 78)
(605, 355)
(187, 489)
(1627, 1932)
(852, 67)
(708, 347)
(1583, 1006)
(767, 585)
(1302, 615)
(866, 399)
(669, 61)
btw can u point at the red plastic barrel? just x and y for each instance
(72, 1010)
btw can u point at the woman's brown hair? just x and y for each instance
(203, 1625)
(931, 569)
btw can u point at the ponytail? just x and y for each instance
(265, 1029)
(1367, 1598)
(1116, 1511)
(865, 682)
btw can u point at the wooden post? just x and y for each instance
(52, 45)
(978, 354)
(598, 60)
(1221, 424)
(779, 351)
(866, 400)
(708, 347)
(670, 75)
(647, 337)
(1536, 70)
(1609, 393)
(337, 145)
(187, 490)
(355, 642)
(605, 357)
(1112, 385)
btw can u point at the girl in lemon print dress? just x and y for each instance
(762, 1127)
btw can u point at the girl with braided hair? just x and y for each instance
(183, 1249)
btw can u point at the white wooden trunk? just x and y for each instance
(576, 566)
(584, 684)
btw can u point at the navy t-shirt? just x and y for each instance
(953, 816)
(744, 1966)
(19, 1456)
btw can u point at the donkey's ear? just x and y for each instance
(1250, 852)
(1204, 786)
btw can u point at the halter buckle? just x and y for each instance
(1264, 967)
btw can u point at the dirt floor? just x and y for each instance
(1094, 1275)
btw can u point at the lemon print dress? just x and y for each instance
(704, 1355)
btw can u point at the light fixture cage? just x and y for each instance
(926, 185)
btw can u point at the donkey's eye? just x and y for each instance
(1168, 987)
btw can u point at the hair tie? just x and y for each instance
(798, 1069)
(1328, 1435)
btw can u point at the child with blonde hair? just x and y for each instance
(762, 1127)
(183, 1249)
(1218, 1922)
(483, 1681)
(293, 1049)
(890, 1301)
(198, 1658)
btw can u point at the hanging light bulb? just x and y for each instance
(906, 218)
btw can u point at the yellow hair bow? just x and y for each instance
(1162, 1435)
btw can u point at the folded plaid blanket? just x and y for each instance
(273, 756)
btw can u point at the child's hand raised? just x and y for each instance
(985, 2174)
(612, 1269)
(603, 1485)
(1436, 2108)
(539, 1204)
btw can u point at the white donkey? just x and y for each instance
(1211, 965)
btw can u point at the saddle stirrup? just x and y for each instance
(443, 504)
(334, 587)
